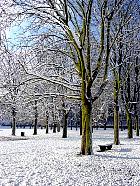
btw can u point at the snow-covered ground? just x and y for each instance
(47, 159)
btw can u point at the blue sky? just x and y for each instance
(19, 31)
(16, 32)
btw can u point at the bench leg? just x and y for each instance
(109, 147)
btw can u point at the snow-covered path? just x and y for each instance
(44, 160)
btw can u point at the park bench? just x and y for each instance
(105, 147)
(22, 133)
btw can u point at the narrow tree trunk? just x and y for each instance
(117, 83)
(54, 127)
(71, 124)
(136, 97)
(121, 125)
(137, 124)
(65, 125)
(35, 127)
(51, 126)
(134, 127)
(36, 115)
(14, 122)
(128, 106)
(116, 125)
(80, 122)
(47, 127)
(58, 127)
(116, 114)
(105, 124)
(129, 123)
(76, 125)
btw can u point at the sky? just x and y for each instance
(16, 32)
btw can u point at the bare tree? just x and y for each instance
(121, 53)
(74, 20)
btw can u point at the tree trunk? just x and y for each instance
(35, 127)
(47, 127)
(86, 143)
(105, 124)
(137, 124)
(136, 97)
(76, 125)
(80, 122)
(71, 124)
(54, 127)
(116, 114)
(58, 127)
(65, 125)
(128, 105)
(116, 125)
(129, 123)
(36, 115)
(14, 122)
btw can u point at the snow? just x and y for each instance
(48, 159)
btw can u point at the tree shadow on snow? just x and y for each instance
(119, 156)
(123, 150)
(4, 138)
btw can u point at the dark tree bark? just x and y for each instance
(129, 123)
(14, 121)
(36, 119)
(80, 122)
(86, 144)
(128, 112)
(76, 125)
(54, 127)
(65, 124)
(116, 107)
(47, 127)
(116, 125)
(105, 125)
(58, 126)
(136, 97)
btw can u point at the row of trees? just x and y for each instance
(81, 48)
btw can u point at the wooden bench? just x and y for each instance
(105, 147)
(22, 133)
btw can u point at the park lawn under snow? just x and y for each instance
(47, 159)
